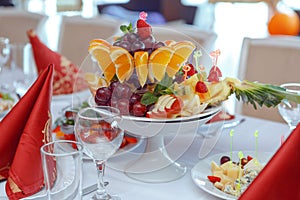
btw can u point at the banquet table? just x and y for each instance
(269, 140)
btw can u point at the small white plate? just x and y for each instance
(202, 169)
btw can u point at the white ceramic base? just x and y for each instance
(155, 165)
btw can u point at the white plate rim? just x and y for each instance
(201, 170)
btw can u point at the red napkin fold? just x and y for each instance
(280, 177)
(23, 131)
(67, 76)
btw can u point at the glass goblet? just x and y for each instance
(4, 51)
(98, 130)
(288, 110)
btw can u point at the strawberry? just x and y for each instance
(201, 87)
(192, 71)
(214, 74)
(144, 30)
(214, 179)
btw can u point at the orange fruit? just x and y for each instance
(170, 42)
(182, 51)
(284, 24)
(141, 66)
(158, 62)
(99, 42)
(94, 81)
(102, 54)
(123, 62)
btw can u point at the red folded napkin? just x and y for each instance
(280, 177)
(23, 131)
(67, 77)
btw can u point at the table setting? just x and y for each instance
(144, 119)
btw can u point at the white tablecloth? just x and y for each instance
(119, 183)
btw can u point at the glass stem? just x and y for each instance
(101, 192)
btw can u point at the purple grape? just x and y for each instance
(123, 106)
(134, 98)
(126, 45)
(131, 37)
(102, 96)
(137, 45)
(149, 42)
(122, 91)
(158, 44)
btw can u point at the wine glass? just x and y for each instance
(4, 51)
(290, 111)
(98, 130)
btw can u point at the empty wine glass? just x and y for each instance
(98, 130)
(290, 111)
(4, 51)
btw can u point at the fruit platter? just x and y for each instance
(162, 88)
(227, 175)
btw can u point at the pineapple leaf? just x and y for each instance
(262, 94)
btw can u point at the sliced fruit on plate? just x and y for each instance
(102, 54)
(141, 66)
(123, 62)
(167, 106)
(158, 62)
(182, 51)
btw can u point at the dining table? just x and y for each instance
(269, 140)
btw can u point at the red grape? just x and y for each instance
(102, 96)
(123, 106)
(138, 109)
(224, 159)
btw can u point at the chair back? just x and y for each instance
(77, 32)
(15, 23)
(273, 60)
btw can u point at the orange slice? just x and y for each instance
(141, 66)
(102, 54)
(123, 62)
(182, 51)
(158, 62)
(170, 42)
(94, 81)
(99, 42)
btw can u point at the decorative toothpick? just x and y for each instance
(197, 55)
(186, 69)
(143, 15)
(241, 156)
(214, 56)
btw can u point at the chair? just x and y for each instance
(273, 60)
(77, 31)
(15, 22)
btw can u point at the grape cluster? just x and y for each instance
(119, 95)
(132, 43)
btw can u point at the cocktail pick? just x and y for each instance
(214, 56)
(241, 156)
(186, 69)
(197, 54)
